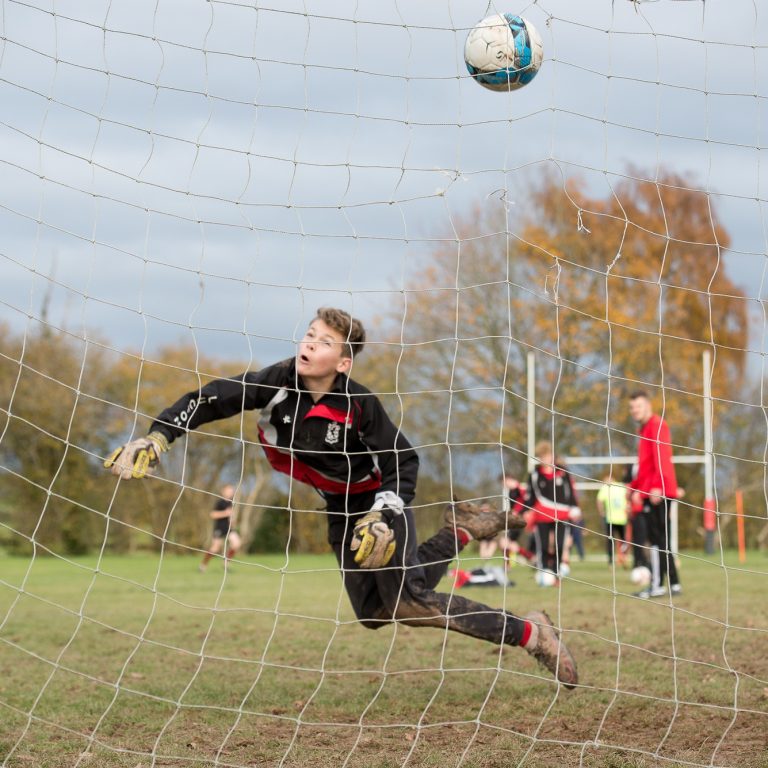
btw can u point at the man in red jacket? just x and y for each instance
(656, 485)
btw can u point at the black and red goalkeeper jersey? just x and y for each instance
(345, 443)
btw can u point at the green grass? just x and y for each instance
(145, 662)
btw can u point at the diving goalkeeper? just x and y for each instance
(324, 429)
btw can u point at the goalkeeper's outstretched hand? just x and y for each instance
(139, 457)
(373, 540)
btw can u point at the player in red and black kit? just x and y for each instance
(510, 541)
(656, 485)
(324, 429)
(551, 497)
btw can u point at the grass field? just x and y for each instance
(148, 662)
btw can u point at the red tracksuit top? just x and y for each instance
(654, 459)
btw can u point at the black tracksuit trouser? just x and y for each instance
(404, 590)
(659, 534)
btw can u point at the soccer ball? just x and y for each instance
(546, 578)
(503, 52)
(640, 576)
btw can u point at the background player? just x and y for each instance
(224, 536)
(656, 485)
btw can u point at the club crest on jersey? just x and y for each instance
(332, 435)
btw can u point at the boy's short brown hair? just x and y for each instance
(346, 325)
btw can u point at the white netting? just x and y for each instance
(183, 184)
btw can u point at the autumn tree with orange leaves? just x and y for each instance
(613, 290)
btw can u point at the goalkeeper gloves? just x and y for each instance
(373, 539)
(139, 457)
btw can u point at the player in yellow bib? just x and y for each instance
(612, 505)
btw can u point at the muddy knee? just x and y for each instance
(420, 612)
(406, 611)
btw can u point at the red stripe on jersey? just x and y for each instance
(326, 412)
(544, 513)
(297, 469)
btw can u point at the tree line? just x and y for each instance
(613, 290)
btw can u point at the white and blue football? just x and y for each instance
(503, 52)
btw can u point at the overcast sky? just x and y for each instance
(203, 171)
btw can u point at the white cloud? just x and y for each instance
(304, 154)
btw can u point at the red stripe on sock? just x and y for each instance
(526, 633)
(462, 537)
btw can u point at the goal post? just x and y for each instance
(183, 183)
(591, 483)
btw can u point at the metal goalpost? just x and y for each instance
(705, 458)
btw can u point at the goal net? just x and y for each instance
(183, 184)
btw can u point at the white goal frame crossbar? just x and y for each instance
(705, 458)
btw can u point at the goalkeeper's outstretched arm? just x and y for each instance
(219, 399)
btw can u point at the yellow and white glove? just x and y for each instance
(373, 539)
(139, 457)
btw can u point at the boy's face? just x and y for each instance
(321, 352)
(546, 458)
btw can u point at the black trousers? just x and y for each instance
(550, 541)
(640, 541)
(662, 561)
(614, 532)
(404, 590)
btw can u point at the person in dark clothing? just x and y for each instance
(324, 429)
(510, 541)
(551, 499)
(638, 524)
(225, 538)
